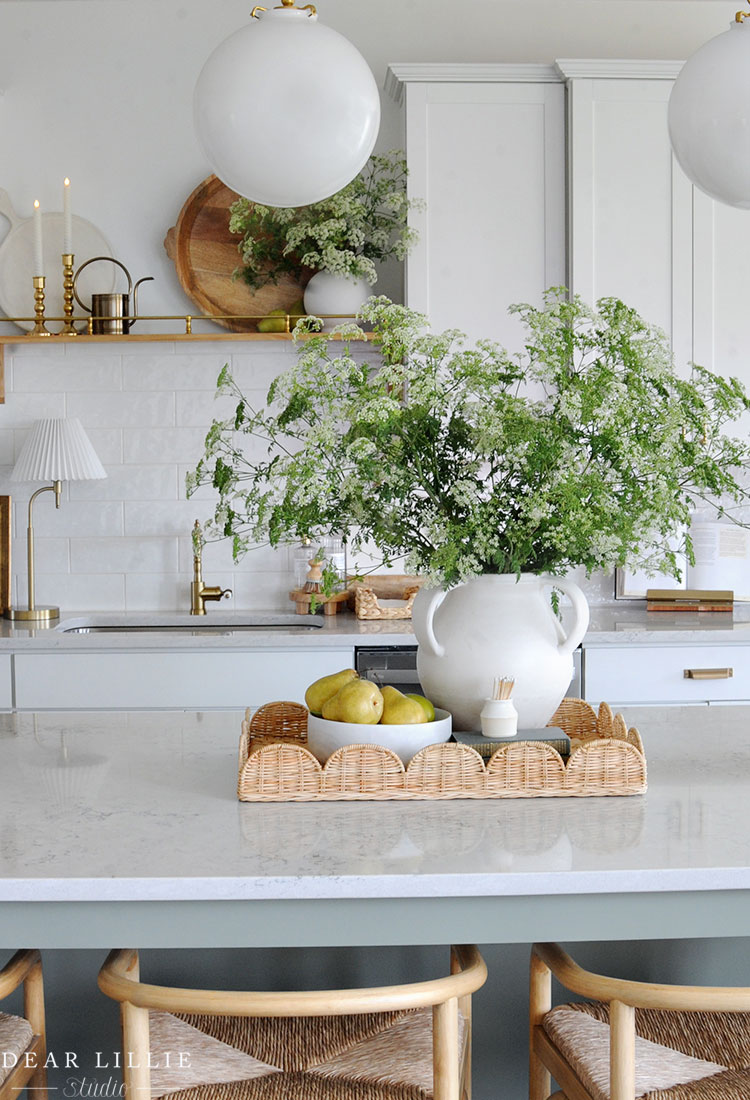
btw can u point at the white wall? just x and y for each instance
(102, 92)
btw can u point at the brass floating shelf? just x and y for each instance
(187, 319)
(85, 335)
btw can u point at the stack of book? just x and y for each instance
(485, 746)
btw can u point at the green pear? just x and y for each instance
(295, 311)
(424, 703)
(274, 322)
(359, 701)
(323, 689)
(399, 710)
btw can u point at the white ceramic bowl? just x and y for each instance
(324, 737)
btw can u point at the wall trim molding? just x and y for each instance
(400, 74)
(615, 69)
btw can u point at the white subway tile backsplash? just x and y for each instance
(90, 520)
(123, 555)
(123, 543)
(152, 482)
(40, 374)
(22, 409)
(217, 557)
(80, 592)
(122, 410)
(262, 592)
(178, 372)
(258, 371)
(107, 442)
(7, 449)
(50, 555)
(157, 592)
(197, 408)
(168, 517)
(171, 445)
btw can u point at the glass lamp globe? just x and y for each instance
(287, 110)
(709, 117)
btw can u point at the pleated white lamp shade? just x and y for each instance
(57, 449)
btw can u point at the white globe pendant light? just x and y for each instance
(709, 116)
(287, 110)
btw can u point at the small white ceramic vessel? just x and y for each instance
(324, 737)
(499, 719)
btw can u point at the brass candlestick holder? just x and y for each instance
(68, 328)
(39, 329)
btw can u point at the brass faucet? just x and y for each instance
(200, 592)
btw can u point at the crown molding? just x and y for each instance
(400, 74)
(615, 69)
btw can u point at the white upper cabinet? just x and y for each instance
(638, 229)
(486, 151)
(630, 205)
(487, 148)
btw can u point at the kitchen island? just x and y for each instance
(123, 828)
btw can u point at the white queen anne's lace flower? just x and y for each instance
(588, 450)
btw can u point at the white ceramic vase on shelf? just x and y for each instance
(497, 626)
(335, 298)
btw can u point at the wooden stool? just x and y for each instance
(365, 1044)
(23, 1038)
(635, 1039)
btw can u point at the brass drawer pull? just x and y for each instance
(709, 673)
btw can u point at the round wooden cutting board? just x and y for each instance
(205, 255)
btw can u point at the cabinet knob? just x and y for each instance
(709, 673)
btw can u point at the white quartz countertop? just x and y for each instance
(622, 623)
(142, 807)
(142, 630)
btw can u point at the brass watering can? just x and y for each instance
(110, 313)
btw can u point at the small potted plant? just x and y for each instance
(494, 474)
(341, 238)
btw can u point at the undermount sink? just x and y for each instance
(187, 624)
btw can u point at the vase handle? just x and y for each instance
(423, 611)
(580, 611)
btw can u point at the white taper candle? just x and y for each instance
(67, 218)
(38, 244)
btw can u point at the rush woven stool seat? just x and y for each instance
(403, 1042)
(22, 1038)
(635, 1040)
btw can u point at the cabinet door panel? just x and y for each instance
(489, 160)
(630, 204)
(722, 247)
(191, 681)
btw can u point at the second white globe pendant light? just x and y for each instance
(287, 110)
(709, 116)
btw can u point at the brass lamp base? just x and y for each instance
(32, 614)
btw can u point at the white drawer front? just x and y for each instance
(192, 681)
(656, 674)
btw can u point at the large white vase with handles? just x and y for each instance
(497, 626)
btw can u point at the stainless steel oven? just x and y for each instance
(397, 665)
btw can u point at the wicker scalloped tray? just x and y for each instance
(606, 758)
